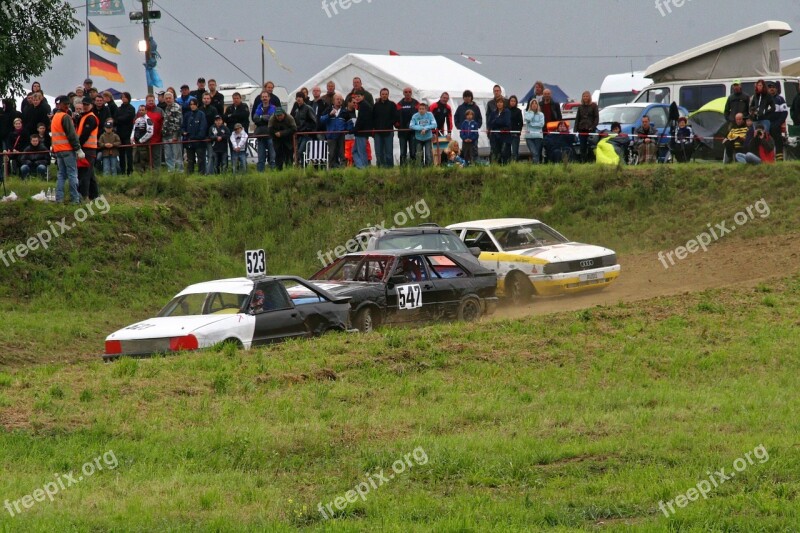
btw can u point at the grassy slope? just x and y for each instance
(166, 231)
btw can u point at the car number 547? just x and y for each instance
(409, 296)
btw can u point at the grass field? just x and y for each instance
(571, 421)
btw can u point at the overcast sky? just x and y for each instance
(572, 43)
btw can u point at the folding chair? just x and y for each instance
(316, 154)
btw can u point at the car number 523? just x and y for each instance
(409, 296)
(256, 262)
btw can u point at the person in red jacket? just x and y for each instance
(157, 116)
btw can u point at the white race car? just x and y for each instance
(530, 257)
(243, 311)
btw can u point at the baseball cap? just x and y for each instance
(109, 124)
(62, 99)
(161, 93)
(218, 117)
(737, 82)
(184, 86)
(87, 100)
(280, 111)
(201, 80)
(771, 84)
(89, 81)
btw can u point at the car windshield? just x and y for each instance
(205, 303)
(623, 115)
(373, 268)
(528, 236)
(429, 241)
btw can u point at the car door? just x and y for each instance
(411, 296)
(276, 318)
(450, 283)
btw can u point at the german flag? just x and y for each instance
(104, 68)
(106, 41)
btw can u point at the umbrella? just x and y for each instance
(710, 125)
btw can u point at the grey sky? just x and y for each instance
(623, 32)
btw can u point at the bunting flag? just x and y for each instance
(470, 58)
(104, 68)
(393, 53)
(104, 7)
(106, 41)
(274, 55)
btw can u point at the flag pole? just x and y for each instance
(263, 64)
(87, 39)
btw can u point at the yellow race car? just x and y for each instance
(530, 257)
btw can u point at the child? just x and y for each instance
(36, 157)
(451, 153)
(109, 143)
(470, 130)
(44, 138)
(423, 123)
(219, 134)
(239, 147)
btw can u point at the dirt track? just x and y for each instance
(726, 263)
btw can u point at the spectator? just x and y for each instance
(795, 110)
(208, 108)
(157, 117)
(101, 110)
(171, 133)
(220, 137)
(262, 113)
(109, 144)
(620, 141)
(467, 105)
(328, 97)
(239, 149)
(162, 102)
(646, 141)
(559, 144)
(491, 107)
(737, 102)
(88, 133)
(423, 123)
(282, 128)
(469, 130)
(319, 105)
(87, 86)
(534, 124)
(195, 129)
(538, 91)
(550, 109)
(335, 119)
(15, 143)
(776, 119)
(362, 129)
(587, 117)
(141, 134)
(108, 98)
(184, 98)
(734, 142)
(444, 115)
(683, 141)
(33, 114)
(201, 89)
(76, 98)
(499, 124)
(451, 154)
(358, 86)
(36, 158)
(762, 105)
(44, 137)
(406, 108)
(758, 147)
(67, 149)
(305, 119)
(306, 99)
(385, 116)
(516, 126)
(217, 98)
(269, 87)
(126, 114)
(239, 112)
(91, 93)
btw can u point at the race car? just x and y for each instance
(407, 286)
(244, 311)
(530, 257)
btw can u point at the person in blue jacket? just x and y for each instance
(469, 130)
(423, 123)
(336, 121)
(195, 128)
(560, 144)
(499, 124)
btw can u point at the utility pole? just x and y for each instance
(263, 63)
(146, 24)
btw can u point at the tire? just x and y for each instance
(518, 289)
(469, 310)
(365, 320)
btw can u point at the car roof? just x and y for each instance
(494, 223)
(413, 229)
(231, 285)
(636, 104)
(397, 252)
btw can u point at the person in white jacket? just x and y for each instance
(140, 136)
(239, 148)
(534, 122)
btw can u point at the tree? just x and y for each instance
(32, 33)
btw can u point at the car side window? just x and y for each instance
(480, 239)
(274, 297)
(300, 294)
(444, 267)
(658, 96)
(658, 116)
(412, 267)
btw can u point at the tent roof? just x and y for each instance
(429, 76)
(752, 51)
(559, 96)
(791, 67)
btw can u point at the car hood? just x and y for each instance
(171, 326)
(557, 253)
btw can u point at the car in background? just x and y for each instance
(630, 117)
(409, 286)
(530, 257)
(244, 311)
(428, 236)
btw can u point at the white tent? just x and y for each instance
(428, 76)
(791, 67)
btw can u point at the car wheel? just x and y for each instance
(519, 289)
(469, 310)
(364, 321)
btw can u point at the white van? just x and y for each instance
(621, 88)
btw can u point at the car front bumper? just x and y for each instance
(574, 282)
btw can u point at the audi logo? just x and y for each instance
(587, 263)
